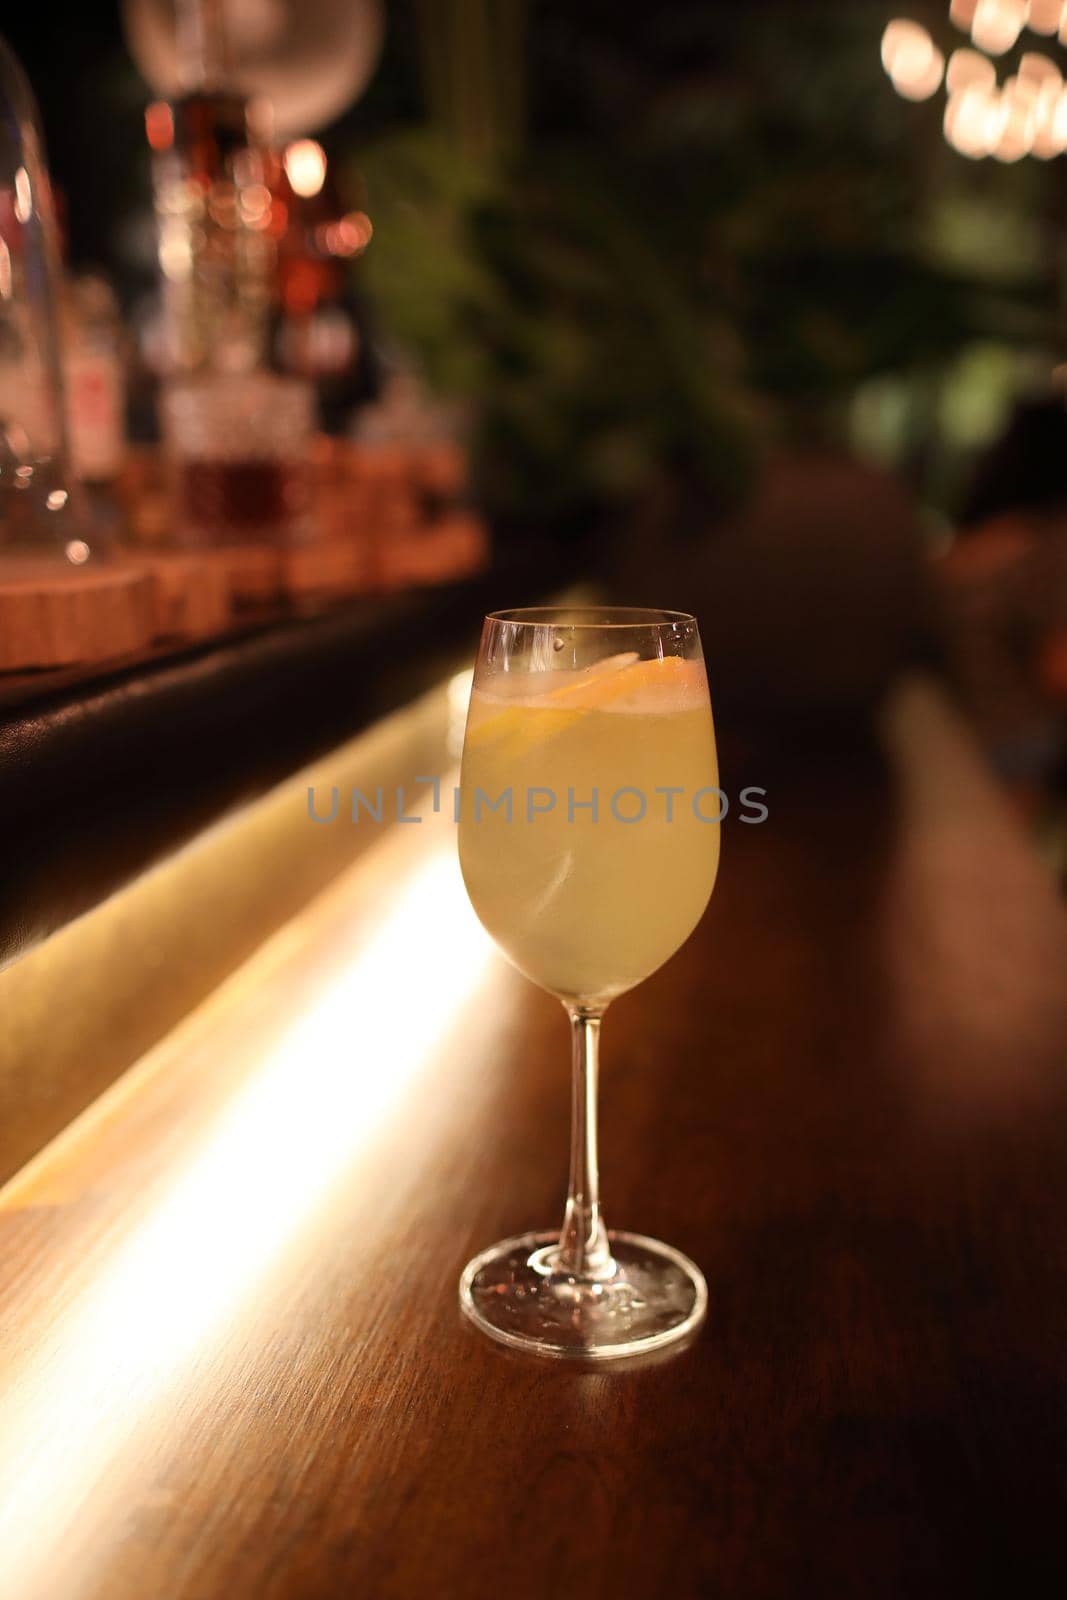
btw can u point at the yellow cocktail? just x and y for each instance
(589, 842)
(581, 847)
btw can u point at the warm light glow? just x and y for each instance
(997, 24)
(254, 202)
(1019, 125)
(1038, 69)
(1044, 81)
(1045, 146)
(349, 236)
(159, 125)
(912, 60)
(907, 48)
(305, 167)
(973, 122)
(921, 85)
(175, 250)
(1028, 115)
(1021, 93)
(56, 499)
(962, 13)
(968, 69)
(23, 196)
(1044, 16)
(298, 1124)
(1058, 124)
(77, 552)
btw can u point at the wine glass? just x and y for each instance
(589, 844)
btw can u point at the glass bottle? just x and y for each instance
(41, 509)
(213, 208)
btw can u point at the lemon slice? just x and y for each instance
(578, 682)
(671, 673)
(519, 728)
(524, 724)
(516, 729)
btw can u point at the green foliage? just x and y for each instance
(597, 366)
(672, 270)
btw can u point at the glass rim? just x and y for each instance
(564, 616)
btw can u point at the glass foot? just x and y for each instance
(516, 1293)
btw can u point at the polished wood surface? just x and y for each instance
(231, 1360)
(82, 1006)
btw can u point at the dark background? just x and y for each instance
(709, 297)
(679, 236)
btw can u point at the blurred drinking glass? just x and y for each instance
(239, 454)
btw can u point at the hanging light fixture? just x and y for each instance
(1026, 115)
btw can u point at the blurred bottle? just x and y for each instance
(412, 477)
(239, 454)
(236, 436)
(96, 380)
(213, 207)
(318, 333)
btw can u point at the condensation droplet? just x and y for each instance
(557, 643)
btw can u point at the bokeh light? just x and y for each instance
(1027, 115)
(997, 24)
(305, 167)
(969, 69)
(1045, 16)
(905, 44)
(973, 121)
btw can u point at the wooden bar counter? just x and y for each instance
(232, 1364)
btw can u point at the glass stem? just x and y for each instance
(583, 1245)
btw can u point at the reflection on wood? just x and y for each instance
(232, 1361)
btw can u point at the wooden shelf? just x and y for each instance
(101, 779)
(56, 615)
